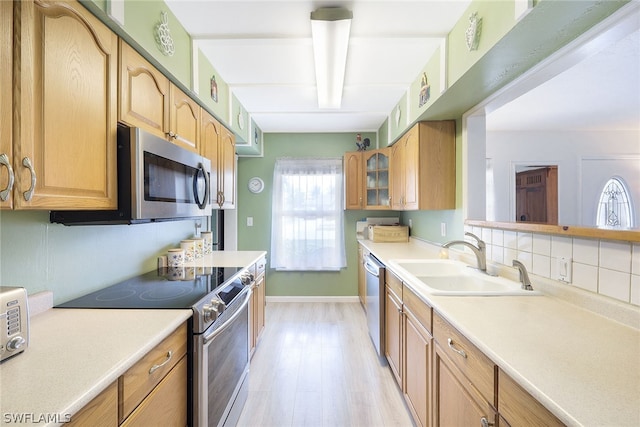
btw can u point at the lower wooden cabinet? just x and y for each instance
(102, 411)
(152, 392)
(257, 305)
(518, 408)
(362, 277)
(393, 332)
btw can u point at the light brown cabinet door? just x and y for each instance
(417, 368)
(353, 177)
(411, 170)
(260, 305)
(456, 402)
(184, 116)
(143, 94)
(227, 170)
(65, 143)
(102, 411)
(393, 333)
(6, 116)
(362, 277)
(210, 135)
(376, 179)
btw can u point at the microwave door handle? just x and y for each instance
(201, 203)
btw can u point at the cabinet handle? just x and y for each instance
(156, 367)
(26, 162)
(484, 422)
(172, 135)
(4, 160)
(460, 352)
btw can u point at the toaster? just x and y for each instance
(14, 321)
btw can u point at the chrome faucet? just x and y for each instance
(480, 251)
(523, 275)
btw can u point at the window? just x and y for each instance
(614, 207)
(307, 230)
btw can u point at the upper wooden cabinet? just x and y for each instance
(184, 119)
(144, 93)
(353, 178)
(367, 179)
(423, 167)
(6, 116)
(218, 145)
(65, 105)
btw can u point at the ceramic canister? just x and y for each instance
(175, 257)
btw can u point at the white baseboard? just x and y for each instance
(312, 299)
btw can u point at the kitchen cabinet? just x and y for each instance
(423, 167)
(464, 380)
(353, 176)
(102, 411)
(376, 179)
(408, 346)
(6, 111)
(65, 106)
(417, 357)
(518, 408)
(144, 93)
(257, 304)
(393, 324)
(218, 145)
(184, 120)
(156, 386)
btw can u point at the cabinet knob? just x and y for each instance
(4, 194)
(484, 422)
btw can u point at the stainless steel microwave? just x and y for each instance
(157, 181)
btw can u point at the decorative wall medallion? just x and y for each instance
(398, 115)
(255, 136)
(163, 36)
(425, 91)
(214, 89)
(473, 32)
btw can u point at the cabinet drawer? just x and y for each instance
(477, 367)
(519, 408)
(138, 381)
(420, 309)
(167, 403)
(394, 283)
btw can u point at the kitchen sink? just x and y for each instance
(455, 278)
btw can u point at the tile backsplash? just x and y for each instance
(606, 267)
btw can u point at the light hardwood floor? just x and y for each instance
(315, 366)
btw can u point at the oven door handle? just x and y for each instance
(208, 338)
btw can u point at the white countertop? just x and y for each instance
(73, 355)
(583, 367)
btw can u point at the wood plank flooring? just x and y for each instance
(315, 366)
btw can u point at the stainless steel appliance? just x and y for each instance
(157, 181)
(14, 321)
(375, 271)
(218, 331)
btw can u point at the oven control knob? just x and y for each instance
(210, 313)
(218, 305)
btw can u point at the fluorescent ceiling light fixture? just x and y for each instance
(330, 28)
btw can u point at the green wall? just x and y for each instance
(258, 206)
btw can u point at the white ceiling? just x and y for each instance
(600, 92)
(263, 50)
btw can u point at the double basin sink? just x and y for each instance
(451, 277)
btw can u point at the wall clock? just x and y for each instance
(256, 185)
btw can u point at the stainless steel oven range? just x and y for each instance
(218, 331)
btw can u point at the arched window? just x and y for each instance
(614, 207)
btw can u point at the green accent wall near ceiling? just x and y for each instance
(206, 72)
(141, 20)
(258, 206)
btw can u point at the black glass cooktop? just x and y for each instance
(180, 287)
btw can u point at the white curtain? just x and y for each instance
(307, 231)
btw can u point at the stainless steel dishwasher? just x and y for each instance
(375, 301)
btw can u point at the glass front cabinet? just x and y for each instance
(376, 179)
